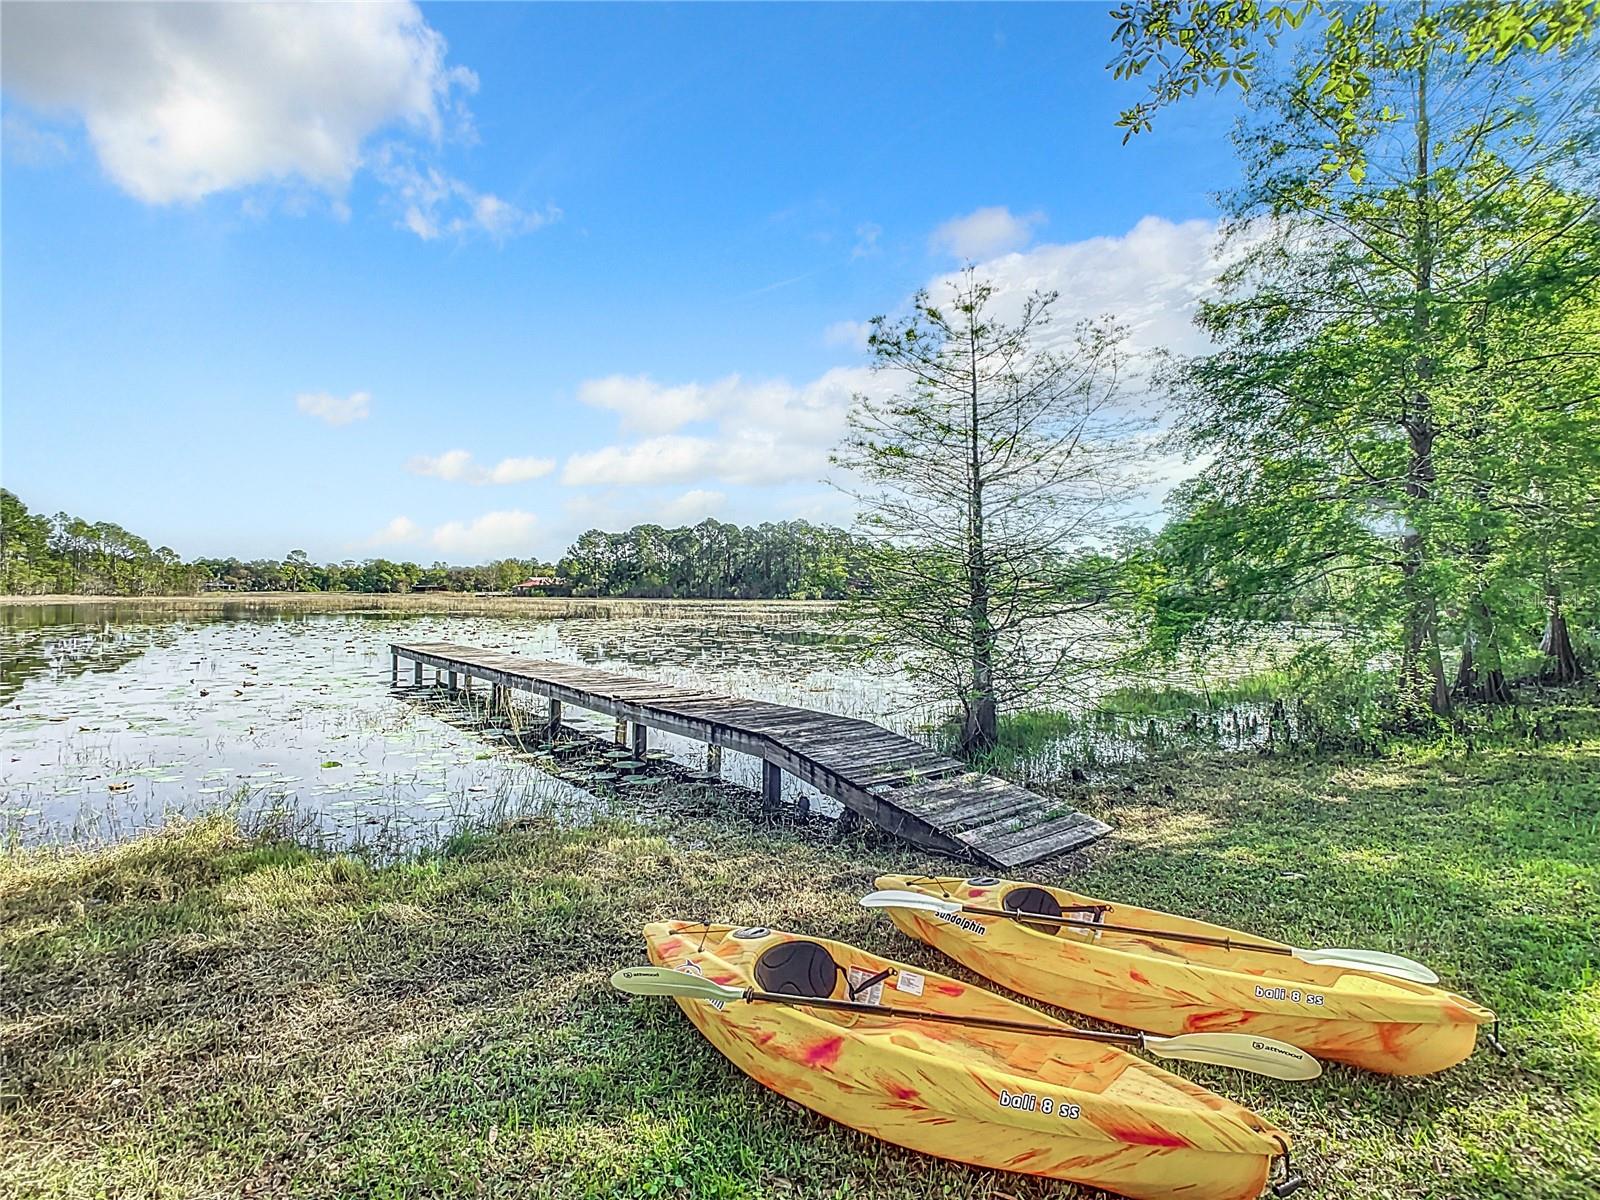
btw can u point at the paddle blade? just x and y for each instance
(1260, 1055)
(917, 900)
(660, 981)
(1374, 961)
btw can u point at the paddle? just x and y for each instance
(1260, 1055)
(1372, 961)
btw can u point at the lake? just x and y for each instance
(117, 717)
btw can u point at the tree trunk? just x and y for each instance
(1422, 678)
(1475, 681)
(980, 730)
(1481, 675)
(1561, 660)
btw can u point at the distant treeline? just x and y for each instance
(791, 560)
(67, 554)
(714, 560)
(297, 573)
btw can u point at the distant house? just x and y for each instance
(542, 585)
(428, 587)
(219, 585)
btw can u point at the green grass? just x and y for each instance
(1146, 700)
(200, 1014)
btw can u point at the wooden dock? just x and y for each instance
(899, 784)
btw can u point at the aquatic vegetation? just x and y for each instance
(119, 718)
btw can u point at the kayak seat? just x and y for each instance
(797, 968)
(1033, 900)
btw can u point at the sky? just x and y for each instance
(461, 281)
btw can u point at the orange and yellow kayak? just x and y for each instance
(1080, 1111)
(1373, 1021)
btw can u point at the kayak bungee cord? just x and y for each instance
(1373, 961)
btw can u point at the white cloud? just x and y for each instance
(851, 335)
(984, 232)
(401, 531)
(335, 410)
(644, 405)
(670, 459)
(1150, 279)
(690, 508)
(182, 101)
(27, 143)
(520, 470)
(435, 205)
(458, 466)
(765, 432)
(493, 535)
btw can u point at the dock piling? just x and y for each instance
(771, 785)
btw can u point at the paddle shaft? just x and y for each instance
(1198, 939)
(916, 1014)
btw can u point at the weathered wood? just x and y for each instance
(899, 784)
(452, 680)
(555, 714)
(416, 674)
(394, 669)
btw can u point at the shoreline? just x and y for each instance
(420, 602)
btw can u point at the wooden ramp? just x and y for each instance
(897, 783)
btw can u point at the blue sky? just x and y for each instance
(466, 281)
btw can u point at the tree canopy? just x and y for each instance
(1399, 419)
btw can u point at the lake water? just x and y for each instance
(113, 719)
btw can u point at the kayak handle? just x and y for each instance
(1292, 1180)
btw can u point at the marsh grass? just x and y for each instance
(200, 1012)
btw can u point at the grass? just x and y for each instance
(1258, 687)
(198, 1013)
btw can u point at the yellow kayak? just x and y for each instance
(1373, 1021)
(1080, 1111)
